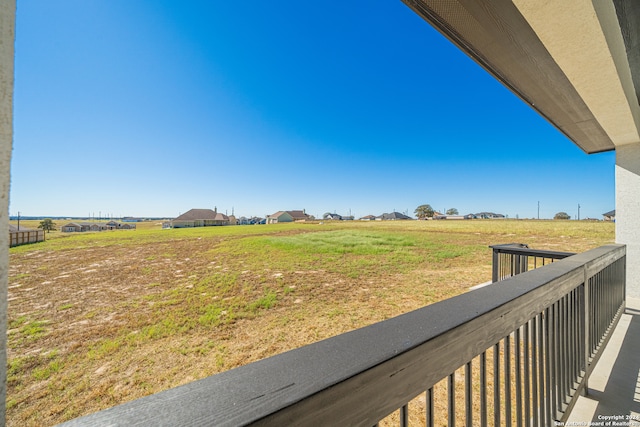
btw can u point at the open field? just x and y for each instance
(97, 319)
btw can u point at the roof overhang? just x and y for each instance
(574, 61)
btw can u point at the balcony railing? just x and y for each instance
(515, 258)
(507, 355)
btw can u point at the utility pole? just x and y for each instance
(538, 209)
(578, 211)
(18, 220)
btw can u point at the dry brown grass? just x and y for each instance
(97, 320)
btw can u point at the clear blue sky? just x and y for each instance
(151, 108)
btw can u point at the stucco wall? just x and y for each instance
(7, 37)
(583, 37)
(285, 217)
(628, 211)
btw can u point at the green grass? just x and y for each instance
(39, 367)
(17, 322)
(358, 242)
(123, 238)
(214, 315)
(354, 252)
(33, 330)
(265, 302)
(45, 372)
(104, 348)
(171, 306)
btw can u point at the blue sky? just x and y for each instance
(151, 108)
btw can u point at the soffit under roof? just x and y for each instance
(500, 39)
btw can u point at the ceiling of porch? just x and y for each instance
(576, 62)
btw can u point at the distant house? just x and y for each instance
(368, 218)
(115, 225)
(488, 215)
(71, 227)
(199, 218)
(332, 216)
(251, 221)
(78, 227)
(278, 217)
(435, 215)
(454, 217)
(94, 227)
(288, 216)
(610, 216)
(300, 216)
(393, 216)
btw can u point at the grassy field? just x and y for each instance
(97, 319)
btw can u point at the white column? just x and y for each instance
(7, 37)
(628, 211)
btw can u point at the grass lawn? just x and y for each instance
(97, 319)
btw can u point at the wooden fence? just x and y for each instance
(23, 237)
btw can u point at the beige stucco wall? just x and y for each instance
(7, 40)
(583, 37)
(628, 211)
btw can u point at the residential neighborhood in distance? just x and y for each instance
(211, 217)
(78, 227)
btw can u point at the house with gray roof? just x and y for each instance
(393, 216)
(78, 227)
(488, 215)
(279, 217)
(288, 216)
(199, 218)
(300, 215)
(332, 216)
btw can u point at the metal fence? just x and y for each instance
(500, 355)
(515, 258)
